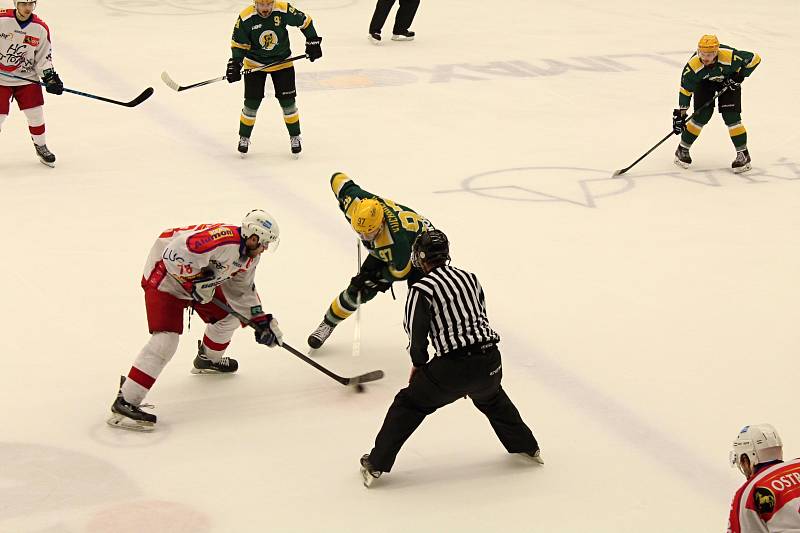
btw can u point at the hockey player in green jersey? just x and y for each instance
(259, 38)
(711, 68)
(388, 231)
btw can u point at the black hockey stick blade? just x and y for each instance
(375, 375)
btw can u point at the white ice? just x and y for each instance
(644, 319)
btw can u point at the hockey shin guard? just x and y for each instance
(35, 116)
(248, 117)
(290, 115)
(148, 365)
(218, 336)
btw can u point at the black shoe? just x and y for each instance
(742, 162)
(125, 415)
(45, 156)
(403, 36)
(244, 145)
(368, 472)
(682, 157)
(204, 365)
(375, 38)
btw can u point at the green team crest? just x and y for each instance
(268, 40)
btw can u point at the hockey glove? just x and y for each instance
(233, 72)
(678, 121)
(201, 292)
(267, 331)
(314, 48)
(53, 83)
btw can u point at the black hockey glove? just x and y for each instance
(53, 83)
(314, 48)
(370, 279)
(233, 72)
(267, 330)
(678, 121)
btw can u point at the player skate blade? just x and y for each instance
(123, 422)
(745, 168)
(366, 477)
(681, 164)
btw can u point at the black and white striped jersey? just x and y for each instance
(449, 306)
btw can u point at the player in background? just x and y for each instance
(188, 267)
(260, 37)
(25, 52)
(769, 501)
(711, 68)
(387, 230)
(402, 21)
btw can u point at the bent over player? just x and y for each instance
(260, 38)
(189, 267)
(713, 67)
(387, 230)
(24, 56)
(769, 501)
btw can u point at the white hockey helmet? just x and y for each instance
(760, 443)
(259, 222)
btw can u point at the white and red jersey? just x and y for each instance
(178, 256)
(24, 48)
(769, 502)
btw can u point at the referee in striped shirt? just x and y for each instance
(448, 306)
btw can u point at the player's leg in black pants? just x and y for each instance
(380, 15)
(503, 415)
(405, 16)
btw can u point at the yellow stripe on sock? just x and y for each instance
(291, 119)
(338, 310)
(736, 130)
(247, 121)
(693, 128)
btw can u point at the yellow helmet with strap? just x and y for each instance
(708, 43)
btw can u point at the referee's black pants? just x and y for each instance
(443, 381)
(403, 20)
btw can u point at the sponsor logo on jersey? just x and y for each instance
(268, 40)
(257, 26)
(764, 500)
(31, 40)
(205, 241)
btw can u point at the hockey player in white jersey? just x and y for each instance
(188, 267)
(25, 53)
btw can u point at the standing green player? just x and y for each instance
(260, 38)
(712, 68)
(387, 230)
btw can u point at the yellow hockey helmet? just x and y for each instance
(367, 217)
(708, 43)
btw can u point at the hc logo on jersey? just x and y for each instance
(268, 40)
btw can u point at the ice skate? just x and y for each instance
(375, 38)
(534, 456)
(368, 472)
(404, 36)
(244, 145)
(296, 146)
(682, 157)
(742, 162)
(125, 415)
(45, 156)
(204, 365)
(320, 335)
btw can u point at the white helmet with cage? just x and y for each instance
(760, 443)
(259, 222)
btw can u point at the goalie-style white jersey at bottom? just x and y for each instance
(207, 256)
(769, 502)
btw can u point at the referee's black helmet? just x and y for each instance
(431, 247)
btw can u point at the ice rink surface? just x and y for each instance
(644, 319)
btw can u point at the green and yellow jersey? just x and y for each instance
(402, 225)
(262, 40)
(729, 62)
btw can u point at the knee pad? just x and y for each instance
(288, 105)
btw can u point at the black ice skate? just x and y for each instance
(405, 36)
(45, 156)
(320, 335)
(534, 456)
(375, 38)
(244, 145)
(682, 157)
(204, 365)
(296, 146)
(742, 162)
(125, 415)
(368, 472)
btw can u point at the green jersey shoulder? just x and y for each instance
(729, 62)
(266, 39)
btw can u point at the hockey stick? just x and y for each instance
(670, 134)
(355, 380)
(172, 84)
(147, 93)
(357, 331)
